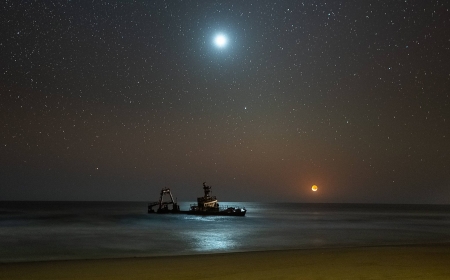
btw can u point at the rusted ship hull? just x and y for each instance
(227, 212)
(220, 213)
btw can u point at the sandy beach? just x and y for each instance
(401, 262)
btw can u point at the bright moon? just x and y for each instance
(314, 188)
(220, 40)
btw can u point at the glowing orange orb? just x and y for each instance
(314, 188)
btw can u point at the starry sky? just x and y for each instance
(115, 100)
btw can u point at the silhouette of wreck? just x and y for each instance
(206, 205)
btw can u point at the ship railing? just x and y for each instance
(231, 207)
(209, 198)
(221, 208)
(151, 204)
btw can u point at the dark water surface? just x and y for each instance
(31, 231)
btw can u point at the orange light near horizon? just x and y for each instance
(314, 188)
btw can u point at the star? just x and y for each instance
(220, 40)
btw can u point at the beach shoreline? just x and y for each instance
(429, 261)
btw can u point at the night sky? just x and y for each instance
(115, 100)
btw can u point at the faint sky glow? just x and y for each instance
(115, 100)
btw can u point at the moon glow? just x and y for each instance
(314, 188)
(220, 40)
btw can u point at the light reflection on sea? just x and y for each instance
(80, 230)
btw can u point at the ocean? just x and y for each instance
(37, 231)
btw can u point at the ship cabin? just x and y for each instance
(206, 202)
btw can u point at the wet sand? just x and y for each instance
(401, 262)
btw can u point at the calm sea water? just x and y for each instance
(32, 231)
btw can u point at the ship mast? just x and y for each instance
(206, 189)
